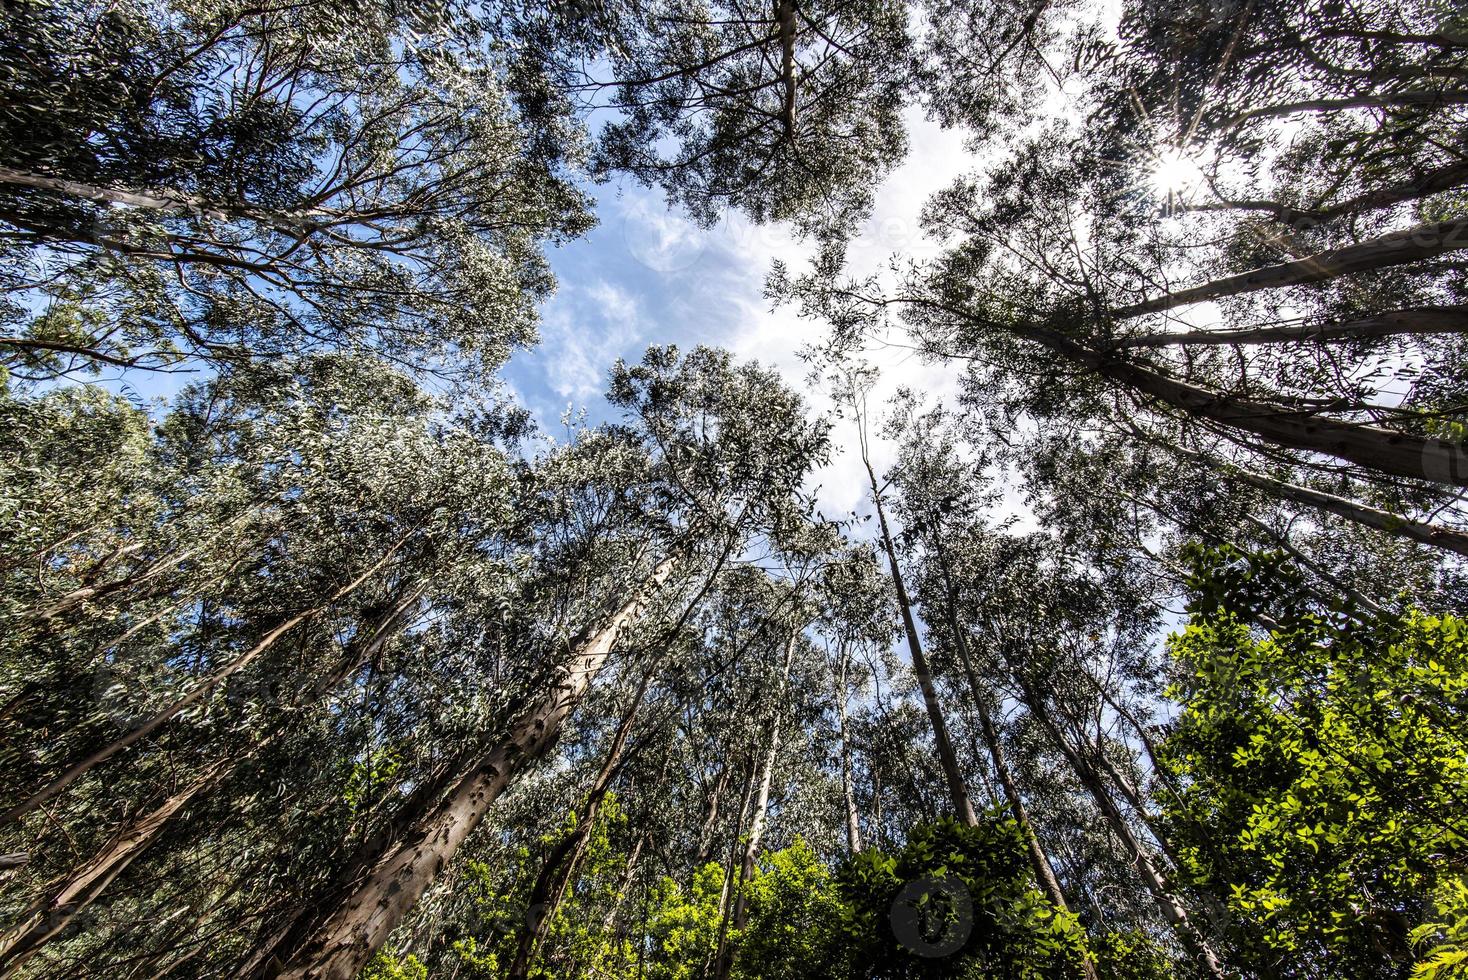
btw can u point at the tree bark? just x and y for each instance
(85, 884)
(711, 819)
(172, 202)
(1382, 450)
(1384, 100)
(1431, 182)
(1171, 907)
(848, 787)
(759, 818)
(610, 919)
(1371, 447)
(1416, 320)
(962, 804)
(357, 927)
(714, 962)
(563, 861)
(1039, 860)
(50, 916)
(1446, 538)
(194, 695)
(1397, 248)
(785, 18)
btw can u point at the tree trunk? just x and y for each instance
(60, 907)
(562, 863)
(725, 905)
(171, 202)
(759, 818)
(1385, 100)
(785, 14)
(1446, 538)
(610, 919)
(1431, 182)
(85, 884)
(848, 788)
(194, 695)
(1416, 320)
(1171, 907)
(1397, 248)
(356, 928)
(962, 805)
(711, 819)
(1039, 860)
(1373, 448)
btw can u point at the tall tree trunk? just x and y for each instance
(65, 902)
(194, 695)
(785, 14)
(963, 806)
(561, 864)
(726, 908)
(1427, 182)
(877, 803)
(1397, 248)
(1435, 535)
(706, 832)
(848, 788)
(759, 818)
(1426, 98)
(1167, 902)
(1371, 447)
(628, 873)
(356, 928)
(86, 883)
(1039, 860)
(759, 822)
(1395, 323)
(169, 202)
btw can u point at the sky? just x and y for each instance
(648, 276)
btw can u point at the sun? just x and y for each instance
(1176, 173)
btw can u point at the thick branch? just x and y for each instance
(1398, 248)
(1416, 320)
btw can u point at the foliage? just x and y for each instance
(1319, 763)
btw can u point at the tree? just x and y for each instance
(236, 183)
(791, 113)
(1318, 760)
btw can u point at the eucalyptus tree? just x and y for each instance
(184, 181)
(857, 622)
(790, 112)
(1060, 636)
(1168, 261)
(726, 449)
(851, 388)
(202, 607)
(935, 484)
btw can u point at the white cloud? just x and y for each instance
(687, 285)
(584, 329)
(935, 159)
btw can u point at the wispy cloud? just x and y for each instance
(649, 276)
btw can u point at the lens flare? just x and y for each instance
(1175, 173)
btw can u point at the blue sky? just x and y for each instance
(646, 276)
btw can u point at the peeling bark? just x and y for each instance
(358, 926)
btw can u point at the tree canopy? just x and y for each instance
(1143, 655)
